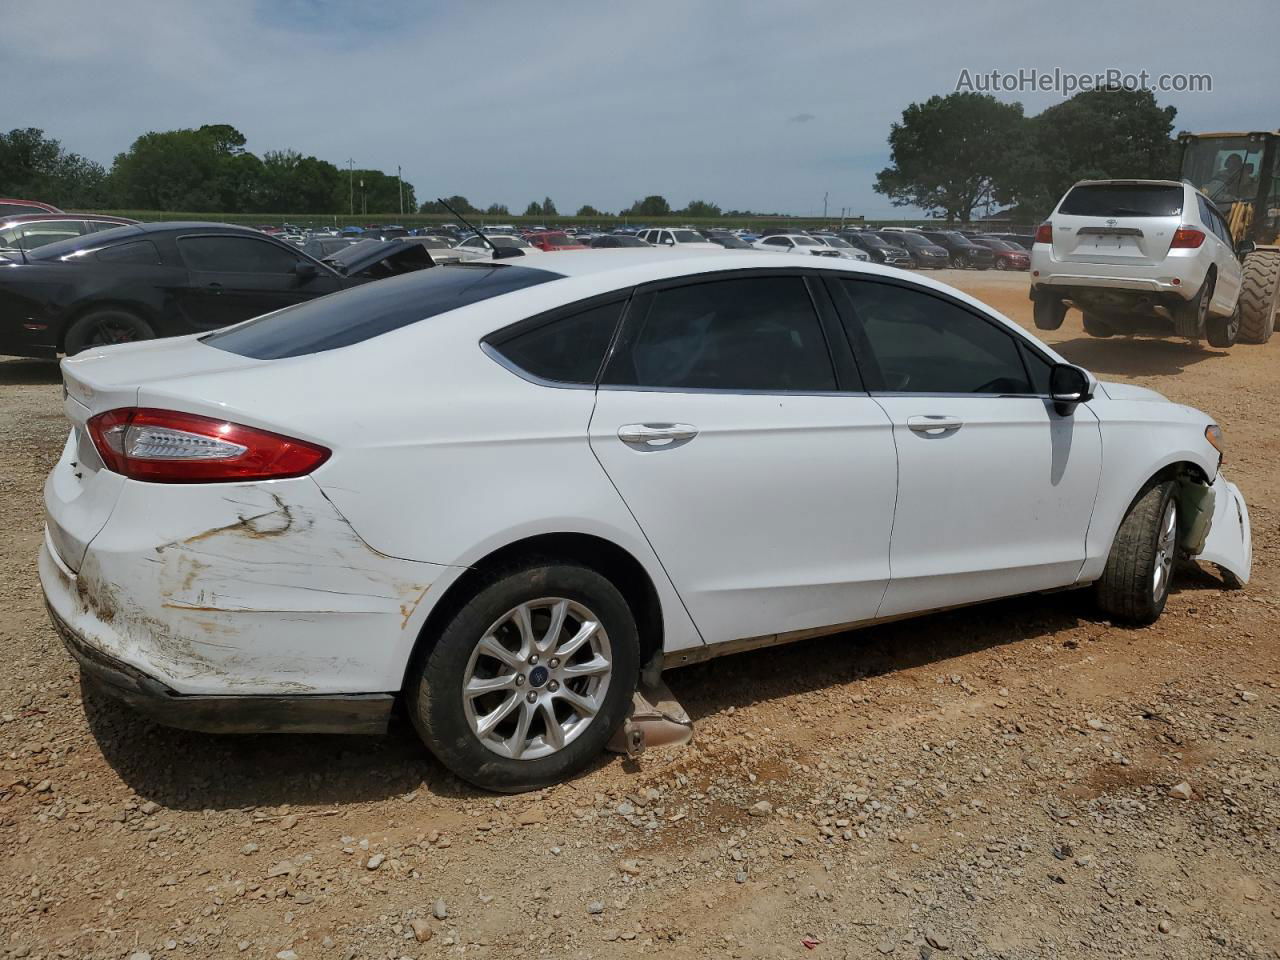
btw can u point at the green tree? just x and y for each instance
(1111, 133)
(459, 203)
(534, 209)
(700, 208)
(378, 192)
(587, 210)
(651, 206)
(35, 167)
(292, 183)
(185, 170)
(951, 153)
(549, 208)
(497, 210)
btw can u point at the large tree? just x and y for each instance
(35, 167)
(1111, 133)
(186, 170)
(292, 183)
(952, 153)
(459, 203)
(653, 205)
(380, 193)
(701, 208)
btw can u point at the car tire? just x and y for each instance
(1001, 265)
(1259, 295)
(1189, 318)
(1048, 311)
(107, 326)
(519, 752)
(1223, 331)
(1134, 586)
(1095, 326)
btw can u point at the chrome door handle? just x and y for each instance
(934, 425)
(656, 435)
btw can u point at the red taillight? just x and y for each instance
(1186, 238)
(165, 446)
(1044, 233)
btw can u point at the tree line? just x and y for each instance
(951, 155)
(206, 169)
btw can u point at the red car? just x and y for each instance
(1009, 256)
(553, 240)
(9, 207)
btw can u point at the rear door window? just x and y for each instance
(566, 349)
(1123, 200)
(744, 334)
(137, 251)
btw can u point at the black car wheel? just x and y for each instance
(100, 328)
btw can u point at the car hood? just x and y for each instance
(353, 260)
(1130, 391)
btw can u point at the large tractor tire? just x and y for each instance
(1258, 296)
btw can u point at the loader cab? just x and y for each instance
(1238, 172)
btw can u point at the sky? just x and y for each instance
(744, 103)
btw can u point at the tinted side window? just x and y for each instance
(568, 349)
(138, 251)
(235, 255)
(908, 341)
(744, 334)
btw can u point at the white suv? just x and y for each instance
(681, 238)
(1138, 256)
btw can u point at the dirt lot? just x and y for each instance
(988, 783)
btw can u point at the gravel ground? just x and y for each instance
(1017, 780)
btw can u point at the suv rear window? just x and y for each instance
(364, 312)
(1123, 200)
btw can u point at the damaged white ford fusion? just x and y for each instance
(506, 496)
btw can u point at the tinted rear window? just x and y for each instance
(90, 241)
(361, 313)
(1123, 200)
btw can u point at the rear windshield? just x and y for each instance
(74, 245)
(361, 313)
(1123, 200)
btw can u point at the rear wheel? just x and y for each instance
(1258, 295)
(1135, 583)
(1189, 318)
(1223, 331)
(1048, 312)
(529, 679)
(100, 328)
(1095, 326)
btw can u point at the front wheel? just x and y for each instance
(1048, 312)
(1223, 331)
(1002, 265)
(1135, 583)
(529, 679)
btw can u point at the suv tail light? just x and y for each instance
(1044, 232)
(165, 446)
(1186, 238)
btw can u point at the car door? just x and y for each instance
(234, 277)
(763, 478)
(1226, 289)
(995, 487)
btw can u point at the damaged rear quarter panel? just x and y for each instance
(248, 589)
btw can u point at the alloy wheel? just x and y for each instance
(1166, 547)
(537, 678)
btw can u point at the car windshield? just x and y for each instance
(507, 242)
(75, 247)
(1123, 200)
(910, 240)
(687, 236)
(871, 240)
(558, 240)
(433, 243)
(806, 242)
(360, 313)
(836, 242)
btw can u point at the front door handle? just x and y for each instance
(934, 425)
(656, 436)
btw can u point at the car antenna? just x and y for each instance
(499, 253)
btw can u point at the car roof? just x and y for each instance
(38, 217)
(1129, 183)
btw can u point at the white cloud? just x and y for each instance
(599, 103)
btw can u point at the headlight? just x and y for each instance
(1213, 433)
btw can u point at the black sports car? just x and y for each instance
(168, 279)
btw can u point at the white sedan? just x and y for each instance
(806, 245)
(501, 492)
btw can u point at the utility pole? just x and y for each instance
(364, 198)
(824, 205)
(400, 187)
(351, 187)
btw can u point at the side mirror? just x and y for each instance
(305, 270)
(1245, 247)
(1069, 386)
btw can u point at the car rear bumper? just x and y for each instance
(1137, 278)
(357, 713)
